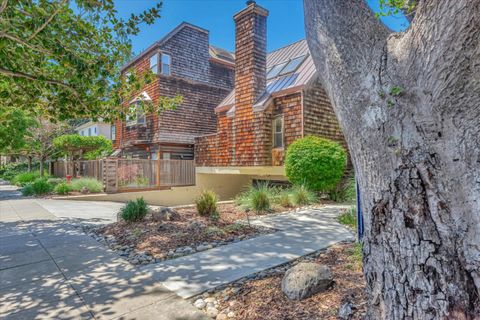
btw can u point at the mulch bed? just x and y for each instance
(158, 238)
(264, 299)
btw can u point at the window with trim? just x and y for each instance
(89, 132)
(135, 114)
(154, 63)
(277, 127)
(113, 132)
(166, 64)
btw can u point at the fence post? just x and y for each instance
(159, 167)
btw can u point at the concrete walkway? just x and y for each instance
(300, 233)
(50, 270)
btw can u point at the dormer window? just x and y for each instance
(166, 64)
(154, 63)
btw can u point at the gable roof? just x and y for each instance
(225, 56)
(296, 80)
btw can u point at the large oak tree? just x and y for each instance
(409, 105)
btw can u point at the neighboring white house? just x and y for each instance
(91, 128)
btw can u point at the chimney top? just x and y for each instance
(252, 6)
(249, 2)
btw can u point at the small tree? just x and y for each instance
(77, 146)
(315, 162)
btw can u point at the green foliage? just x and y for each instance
(315, 162)
(349, 218)
(14, 125)
(55, 181)
(25, 178)
(10, 170)
(93, 147)
(301, 195)
(394, 7)
(62, 188)
(235, 227)
(92, 185)
(396, 91)
(284, 199)
(134, 210)
(257, 198)
(207, 204)
(214, 231)
(344, 192)
(63, 58)
(39, 187)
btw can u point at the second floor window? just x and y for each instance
(166, 64)
(278, 132)
(113, 131)
(154, 63)
(135, 114)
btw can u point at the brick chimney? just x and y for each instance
(250, 77)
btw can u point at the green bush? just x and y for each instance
(27, 190)
(55, 181)
(62, 188)
(39, 187)
(10, 170)
(207, 204)
(302, 196)
(92, 185)
(25, 178)
(344, 192)
(257, 198)
(134, 210)
(284, 199)
(317, 163)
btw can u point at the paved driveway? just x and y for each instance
(50, 270)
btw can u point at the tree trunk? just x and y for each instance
(42, 162)
(29, 164)
(409, 106)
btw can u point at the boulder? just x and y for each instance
(345, 312)
(212, 312)
(306, 279)
(164, 214)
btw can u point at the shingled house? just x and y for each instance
(277, 99)
(187, 65)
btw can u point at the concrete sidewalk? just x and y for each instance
(50, 270)
(300, 233)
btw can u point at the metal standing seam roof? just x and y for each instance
(299, 78)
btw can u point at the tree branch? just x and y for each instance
(34, 34)
(20, 41)
(18, 74)
(3, 6)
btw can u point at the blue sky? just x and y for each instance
(285, 21)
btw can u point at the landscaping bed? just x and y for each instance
(149, 240)
(260, 296)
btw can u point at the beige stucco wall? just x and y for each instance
(225, 185)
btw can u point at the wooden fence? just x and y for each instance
(122, 175)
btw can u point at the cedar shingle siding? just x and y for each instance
(201, 82)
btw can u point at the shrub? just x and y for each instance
(25, 178)
(92, 185)
(257, 198)
(62, 188)
(317, 163)
(303, 196)
(284, 199)
(39, 187)
(55, 181)
(349, 218)
(10, 170)
(27, 190)
(207, 203)
(134, 210)
(344, 192)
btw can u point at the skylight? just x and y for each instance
(275, 70)
(292, 65)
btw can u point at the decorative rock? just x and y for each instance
(210, 305)
(199, 304)
(204, 247)
(164, 214)
(222, 316)
(84, 190)
(195, 225)
(345, 312)
(306, 279)
(231, 314)
(212, 312)
(210, 299)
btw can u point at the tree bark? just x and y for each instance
(409, 106)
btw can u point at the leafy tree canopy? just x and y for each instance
(14, 129)
(72, 143)
(61, 59)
